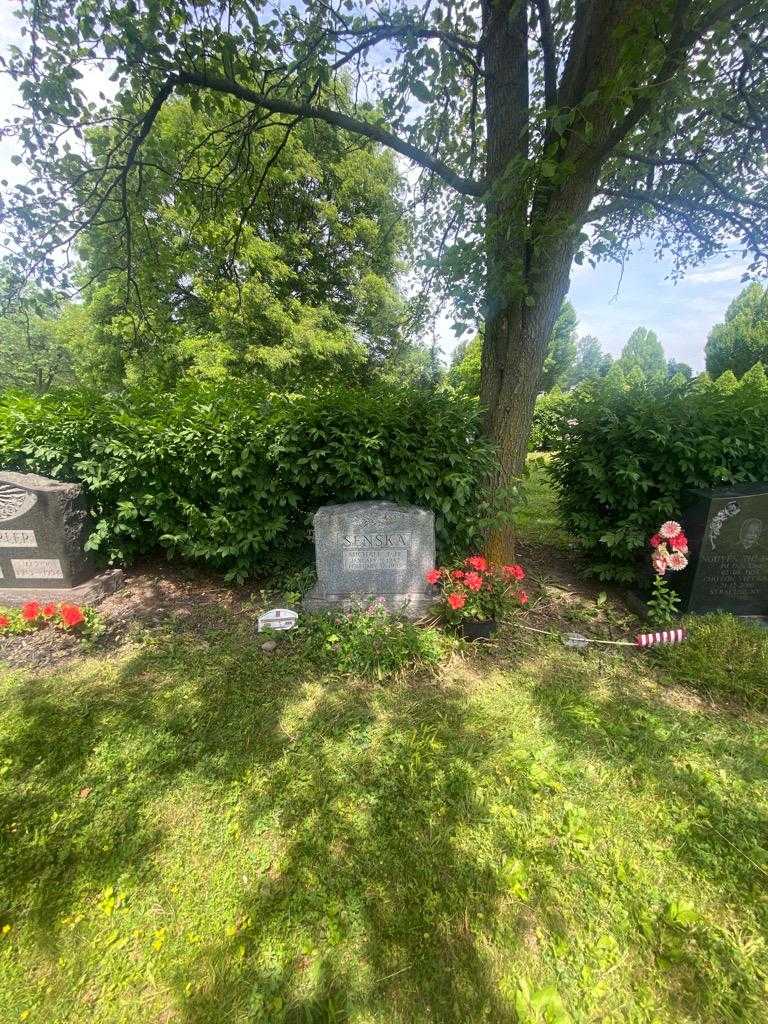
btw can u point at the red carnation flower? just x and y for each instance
(679, 543)
(456, 601)
(433, 576)
(477, 562)
(655, 540)
(71, 615)
(473, 580)
(457, 574)
(515, 572)
(4, 621)
(522, 597)
(49, 610)
(30, 611)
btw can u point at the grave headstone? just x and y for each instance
(43, 530)
(727, 531)
(373, 549)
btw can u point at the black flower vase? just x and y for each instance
(478, 629)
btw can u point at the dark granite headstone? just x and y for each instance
(43, 529)
(373, 549)
(727, 532)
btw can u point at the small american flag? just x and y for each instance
(666, 636)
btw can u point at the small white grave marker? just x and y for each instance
(278, 618)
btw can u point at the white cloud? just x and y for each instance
(727, 272)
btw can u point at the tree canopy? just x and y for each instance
(294, 279)
(34, 355)
(742, 339)
(674, 367)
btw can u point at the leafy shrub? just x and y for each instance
(369, 642)
(548, 416)
(231, 477)
(631, 446)
(722, 655)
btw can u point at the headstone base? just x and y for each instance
(638, 603)
(88, 593)
(755, 620)
(411, 606)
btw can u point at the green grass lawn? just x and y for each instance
(536, 518)
(195, 831)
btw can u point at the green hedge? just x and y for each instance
(631, 446)
(233, 479)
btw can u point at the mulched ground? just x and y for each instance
(156, 592)
(153, 594)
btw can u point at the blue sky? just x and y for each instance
(611, 305)
(681, 313)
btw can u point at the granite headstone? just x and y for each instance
(43, 530)
(373, 549)
(727, 531)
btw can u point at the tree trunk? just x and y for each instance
(532, 227)
(515, 347)
(516, 332)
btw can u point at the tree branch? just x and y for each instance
(462, 50)
(695, 166)
(549, 53)
(412, 28)
(682, 205)
(680, 42)
(202, 80)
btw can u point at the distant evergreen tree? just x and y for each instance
(645, 352)
(673, 367)
(561, 355)
(591, 361)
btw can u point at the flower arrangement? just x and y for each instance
(478, 590)
(669, 550)
(33, 614)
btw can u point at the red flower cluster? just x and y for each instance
(474, 581)
(71, 615)
(31, 611)
(66, 615)
(478, 589)
(513, 572)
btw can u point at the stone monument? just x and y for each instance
(727, 531)
(373, 549)
(43, 530)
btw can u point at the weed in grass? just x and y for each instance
(370, 643)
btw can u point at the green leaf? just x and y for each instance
(421, 92)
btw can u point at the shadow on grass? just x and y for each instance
(388, 896)
(674, 755)
(374, 895)
(634, 729)
(380, 900)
